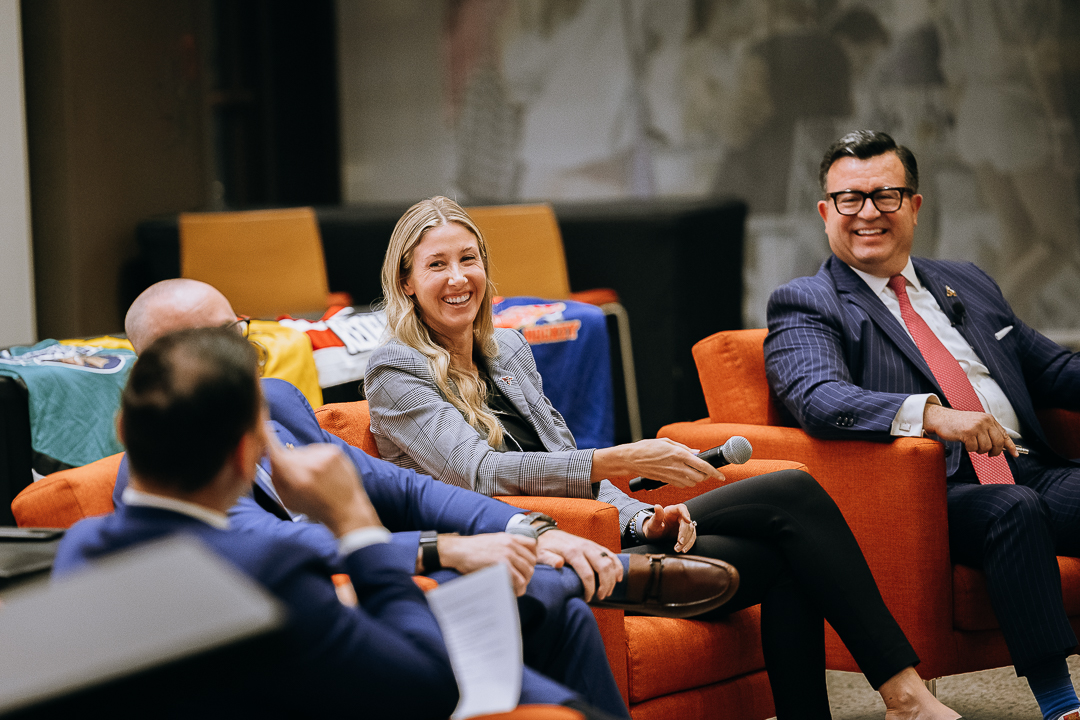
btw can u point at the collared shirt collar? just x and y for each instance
(137, 498)
(878, 284)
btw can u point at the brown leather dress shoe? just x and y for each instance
(676, 586)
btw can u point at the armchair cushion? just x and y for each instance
(351, 422)
(665, 655)
(63, 498)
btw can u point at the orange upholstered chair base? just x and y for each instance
(893, 497)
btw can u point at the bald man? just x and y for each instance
(173, 305)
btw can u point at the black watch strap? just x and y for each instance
(429, 551)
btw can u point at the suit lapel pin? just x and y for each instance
(949, 292)
(508, 379)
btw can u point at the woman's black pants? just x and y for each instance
(797, 557)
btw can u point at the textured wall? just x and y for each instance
(568, 99)
(16, 268)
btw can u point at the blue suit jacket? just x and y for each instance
(385, 656)
(407, 502)
(843, 364)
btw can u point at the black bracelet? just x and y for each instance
(632, 526)
(429, 551)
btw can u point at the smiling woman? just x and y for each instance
(448, 282)
(419, 277)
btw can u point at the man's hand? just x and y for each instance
(321, 482)
(469, 553)
(660, 459)
(671, 521)
(595, 565)
(980, 432)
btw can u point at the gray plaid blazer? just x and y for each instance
(417, 428)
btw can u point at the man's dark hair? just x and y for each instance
(865, 144)
(189, 399)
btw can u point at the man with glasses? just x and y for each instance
(881, 344)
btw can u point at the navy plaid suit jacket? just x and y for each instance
(843, 364)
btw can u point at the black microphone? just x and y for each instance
(959, 312)
(736, 450)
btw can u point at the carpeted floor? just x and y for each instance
(988, 695)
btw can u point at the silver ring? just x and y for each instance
(693, 524)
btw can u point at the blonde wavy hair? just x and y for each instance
(463, 388)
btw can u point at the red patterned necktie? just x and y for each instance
(953, 380)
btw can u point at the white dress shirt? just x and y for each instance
(909, 419)
(138, 498)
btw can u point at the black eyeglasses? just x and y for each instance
(240, 325)
(886, 199)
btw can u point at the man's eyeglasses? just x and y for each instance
(240, 325)
(886, 199)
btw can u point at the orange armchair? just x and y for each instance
(893, 497)
(665, 668)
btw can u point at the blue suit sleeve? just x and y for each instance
(404, 499)
(1051, 372)
(808, 370)
(72, 554)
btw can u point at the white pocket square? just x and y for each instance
(1002, 332)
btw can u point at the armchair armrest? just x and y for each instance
(893, 497)
(1062, 428)
(350, 421)
(66, 497)
(590, 519)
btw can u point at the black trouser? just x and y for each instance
(797, 557)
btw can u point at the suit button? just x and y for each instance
(845, 420)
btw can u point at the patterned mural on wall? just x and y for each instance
(573, 99)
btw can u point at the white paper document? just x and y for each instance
(478, 616)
